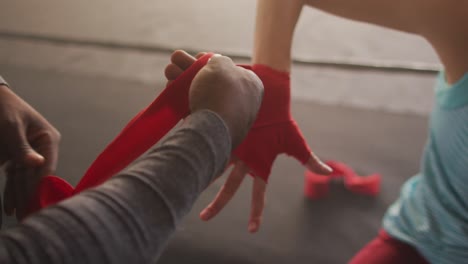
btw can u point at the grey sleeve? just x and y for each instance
(129, 218)
(2, 81)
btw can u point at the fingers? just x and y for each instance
(231, 162)
(172, 71)
(316, 165)
(227, 191)
(48, 147)
(22, 189)
(199, 55)
(258, 203)
(18, 146)
(180, 61)
(298, 148)
(20, 184)
(9, 199)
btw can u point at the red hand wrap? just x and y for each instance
(142, 132)
(274, 132)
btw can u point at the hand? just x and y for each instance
(273, 133)
(229, 90)
(29, 150)
(232, 92)
(260, 140)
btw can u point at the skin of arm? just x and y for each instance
(274, 28)
(441, 22)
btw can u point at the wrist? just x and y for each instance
(234, 126)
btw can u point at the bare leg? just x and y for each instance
(274, 29)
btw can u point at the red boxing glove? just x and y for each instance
(274, 131)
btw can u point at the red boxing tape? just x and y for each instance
(274, 132)
(142, 132)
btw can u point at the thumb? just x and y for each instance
(298, 148)
(21, 151)
(296, 145)
(31, 158)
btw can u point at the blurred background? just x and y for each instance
(78, 36)
(88, 66)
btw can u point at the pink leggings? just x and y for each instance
(387, 250)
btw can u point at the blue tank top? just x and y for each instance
(432, 211)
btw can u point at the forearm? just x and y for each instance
(438, 21)
(274, 29)
(129, 218)
(276, 21)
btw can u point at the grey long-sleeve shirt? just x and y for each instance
(129, 218)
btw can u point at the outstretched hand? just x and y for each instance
(274, 132)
